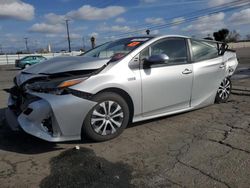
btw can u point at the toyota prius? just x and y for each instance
(97, 94)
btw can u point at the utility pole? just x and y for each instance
(83, 44)
(26, 44)
(92, 40)
(67, 26)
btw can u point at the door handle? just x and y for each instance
(187, 71)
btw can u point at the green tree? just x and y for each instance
(221, 35)
(233, 36)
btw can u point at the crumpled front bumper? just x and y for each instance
(52, 118)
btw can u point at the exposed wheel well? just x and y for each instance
(125, 95)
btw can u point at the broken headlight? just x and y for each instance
(54, 87)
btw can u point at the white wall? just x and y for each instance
(237, 45)
(10, 59)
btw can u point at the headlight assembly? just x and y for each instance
(70, 83)
(55, 86)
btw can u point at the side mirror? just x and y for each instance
(157, 59)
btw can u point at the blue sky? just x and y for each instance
(43, 21)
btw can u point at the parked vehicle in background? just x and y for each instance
(128, 80)
(28, 61)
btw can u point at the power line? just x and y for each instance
(67, 26)
(197, 14)
(228, 7)
(183, 15)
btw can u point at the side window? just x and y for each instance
(203, 50)
(175, 48)
(27, 58)
(144, 54)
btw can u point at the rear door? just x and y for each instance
(209, 71)
(166, 87)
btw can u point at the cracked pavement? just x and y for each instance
(209, 147)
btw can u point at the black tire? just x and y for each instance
(91, 127)
(224, 91)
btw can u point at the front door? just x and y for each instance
(167, 87)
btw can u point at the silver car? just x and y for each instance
(97, 94)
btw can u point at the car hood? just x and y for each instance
(66, 64)
(60, 65)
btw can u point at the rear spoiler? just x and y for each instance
(222, 48)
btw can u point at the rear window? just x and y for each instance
(203, 50)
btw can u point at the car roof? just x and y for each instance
(174, 36)
(161, 36)
(180, 36)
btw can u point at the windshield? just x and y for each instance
(116, 49)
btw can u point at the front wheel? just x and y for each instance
(224, 91)
(108, 118)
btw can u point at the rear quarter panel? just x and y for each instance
(230, 58)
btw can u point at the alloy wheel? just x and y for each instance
(224, 89)
(107, 117)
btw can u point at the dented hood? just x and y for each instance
(58, 65)
(66, 64)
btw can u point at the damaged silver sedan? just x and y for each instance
(98, 94)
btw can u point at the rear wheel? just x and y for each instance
(108, 118)
(224, 91)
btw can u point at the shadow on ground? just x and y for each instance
(21, 142)
(82, 168)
